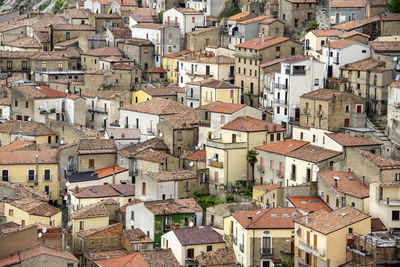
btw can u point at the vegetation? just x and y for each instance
(205, 200)
(394, 6)
(44, 6)
(60, 4)
(313, 25)
(252, 159)
(230, 198)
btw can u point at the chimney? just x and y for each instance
(250, 219)
(335, 183)
(80, 92)
(76, 189)
(363, 180)
(387, 201)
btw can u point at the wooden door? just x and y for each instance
(315, 241)
(346, 122)
(308, 237)
(265, 264)
(359, 108)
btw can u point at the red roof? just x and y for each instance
(130, 260)
(309, 203)
(267, 187)
(199, 155)
(274, 218)
(347, 183)
(104, 52)
(105, 172)
(179, 53)
(249, 124)
(238, 16)
(156, 70)
(227, 108)
(283, 147)
(348, 140)
(258, 44)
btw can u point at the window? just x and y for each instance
(209, 248)
(397, 177)
(24, 65)
(16, 103)
(278, 136)
(132, 215)
(179, 136)
(271, 137)
(10, 212)
(278, 49)
(327, 199)
(144, 189)
(4, 175)
(395, 215)
(364, 51)
(170, 36)
(49, 139)
(31, 175)
(316, 82)
(350, 230)
(187, 186)
(301, 136)
(9, 65)
(47, 175)
(23, 222)
(347, 108)
(193, 19)
(314, 138)
(308, 174)
(81, 225)
(67, 35)
(91, 163)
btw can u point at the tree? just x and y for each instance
(252, 159)
(313, 25)
(394, 6)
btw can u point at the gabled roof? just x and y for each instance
(198, 235)
(96, 146)
(219, 257)
(256, 19)
(354, 24)
(385, 46)
(105, 231)
(39, 156)
(153, 143)
(29, 128)
(326, 33)
(104, 52)
(308, 203)
(313, 154)
(258, 44)
(152, 156)
(158, 106)
(142, 18)
(346, 140)
(173, 206)
(156, 70)
(120, 32)
(94, 210)
(322, 94)
(239, 16)
(22, 191)
(178, 54)
(347, 183)
(179, 121)
(282, 147)
(249, 124)
(167, 176)
(327, 222)
(40, 92)
(347, 4)
(42, 249)
(108, 171)
(379, 161)
(199, 155)
(218, 84)
(103, 191)
(340, 44)
(35, 207)
(363, 65)
(227, 108)
(130, 260)
(273, 218)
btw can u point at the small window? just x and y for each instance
(364, 51)
(395, 215)
(331, 163)
(10, 212)
(81, 225)
(91, 163)
(49, 139)
(278, 49)
(350, 230)
(47, 175)
(347, 108)
(16, 103)
(209, 248)
(397, 177)
(26, 104)
(132, 215)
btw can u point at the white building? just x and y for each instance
(187, 19)
(166, 39)
(393, 112)
(341, 52)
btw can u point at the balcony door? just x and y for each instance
(266, 245)
(190, 253)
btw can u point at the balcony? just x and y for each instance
(299, 72)
(241, 247)
(216, 164)
(200, 74)
(260, 168)
(266, 251)
(219, 143)
(309, 247)
(391, 202)
(97, 109)
(280, 101)
(190, 261)
(49, 111)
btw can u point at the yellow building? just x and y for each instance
(268, 196)
(170, 64)
(219, 91)
(321, 237)
(315, 39)
(25, 211)
(259, 237)
(37, 168)
(148, 93)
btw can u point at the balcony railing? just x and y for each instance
(241, 247)
(266, 251)
(216, 164)
(311, 248)
(97, 109)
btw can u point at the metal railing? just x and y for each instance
(241, 247)
(266, 251)
(311, 248)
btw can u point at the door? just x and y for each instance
(359, 108)
(190, 253)
(265, 264)
(308, 238)
(346, 122)
(330, 71)
(308, 259)
(233, 138)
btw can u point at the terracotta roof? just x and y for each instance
(189, 11)
(379, 161)
(200, 31)
(85, 131)
(173, 206)
(105, 16)
(328, 222)
(178, 54)
(270, 21)
(390, 17)
(16, 54)
(106, 94)
(227, 108)
(377, 225)
(354, 24)
(326, 33)
(158, 106)
(339, 44)
(313, 154)
(259, 18)
(151, 155)
(8, 227)
(123, 133)
(107, 254)
(133, 202)
(108, 171)
(29, 128)
(347, 183)
(347, 4)
(249, 124)
(96, 146)
(239, 16)
(346, 140)
(40, 92)
(104, 52)
(164, 91)
(138, 42)
(136, 236)
(353, 33)
(126, 2)
(22, 191)
(27, 42)
(156, 70)
(34, 207)
(76, 13)
(153, 143)
(219, 257)
(42, 249)
(283, 147)
(234, 207)
(309, 203)
(45, 156)
(19, 145)
(103, 191)
(218, 84)
(124, 66)
(153, 26)
(267, 188)
(363, 65)
(129, 260)
(72, 27)
(93, 210)
(385, 46)
(10, 260)
(143, 10)
(108, 231)
(322, 94)
(184, 120)
(198, 235)
(272, 62)
(302, 1)
(120, 32)
(167, 176)
(257, 44)
(160, 258)
(142, 18)
(199, 155)
(5, 100)
(273, 218)
(377, 3)
(208, 60)
(395, 84)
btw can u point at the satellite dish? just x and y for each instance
(67, 183)
(191, 224)
(395, 59)
(199, 145)
(40, 235)
(212, 136)
(196, 148)
(191, 164)
(160, 134)
(29, 119)
(65, 198)
(62, 142)
(69, 223)
(44, 230)
(316, 169)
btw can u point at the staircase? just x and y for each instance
(378, 123)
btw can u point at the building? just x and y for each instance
(218, 91)
(140, 51)
(393, 112)
(321, 237)
(27, 130)
(157, 92)
(386, 50)
(261, 236)
(155, 218)
(272, 27)
(302, 165)
(370, 26)
(163, 185)
(331, 110)
(340, 189)
(188, 243)
(171, 65)
(296, 14)
(384, 203)
(219, 257)
(199, 39)
(249, 55)
(123, 137)
(166, 39)
(340, 11)
(268, 196)
(337, 53)
(270, 167)
(94, 154)
(315, 39)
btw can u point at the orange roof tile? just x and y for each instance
(309, 203)
(326, 33)
(339, 44)
(130, 260)
(178, 54)
(238, 16)
(249, 124)
(267, 187)
(199, 155)
(258, 44)
(156, 70)
(348, 140)
(347, 4)
(379, 161)
(273, 218)
(227, 108)
(283, 147)
(347, 183)
(313, 154)
(108, 171)
(253, 19)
